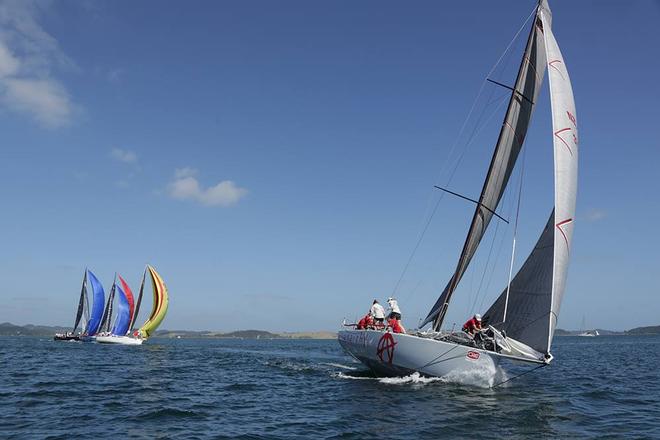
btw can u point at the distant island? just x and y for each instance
(9, 329)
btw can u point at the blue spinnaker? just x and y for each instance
(97, 309)
(123, 314)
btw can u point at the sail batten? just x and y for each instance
(510, 141)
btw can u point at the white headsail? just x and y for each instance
(536, 291)
(565, 139)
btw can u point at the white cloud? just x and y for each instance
(125, 156)
(45, 100)
(28, 56)
(595, 214)
(180, 173)
(185, 186)
(9, 64)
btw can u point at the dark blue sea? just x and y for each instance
(603, 387)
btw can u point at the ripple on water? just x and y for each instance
(303, 389)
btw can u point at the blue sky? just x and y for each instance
(275, 160)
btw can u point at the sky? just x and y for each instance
(275, 161)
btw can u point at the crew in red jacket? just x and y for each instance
(395, 325)
(473, 325)
(365, 323)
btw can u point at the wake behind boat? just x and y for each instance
(122, 332)
(520, 324)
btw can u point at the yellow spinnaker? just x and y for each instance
(159, 308)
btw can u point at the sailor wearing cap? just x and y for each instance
(395, 312)
(473, 325)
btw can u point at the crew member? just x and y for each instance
(395, 312)
(365, 323)
(473, 325)
(378, 312)
(395, 325)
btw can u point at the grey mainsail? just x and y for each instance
(510, 142)
(107, 314)
(82, 303)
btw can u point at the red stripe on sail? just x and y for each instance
(562, 140)
(551, 64)
(559, 225)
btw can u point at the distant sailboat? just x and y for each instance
(90, 322)
(587, 333)
(521, 322)
(121, 333)
(81, 313)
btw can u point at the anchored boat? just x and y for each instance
(520, 324)
(122, 332)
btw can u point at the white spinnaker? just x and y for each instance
(565, 142)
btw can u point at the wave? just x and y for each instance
(332, 364)
(482, 377)
(414, 378)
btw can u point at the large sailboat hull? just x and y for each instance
(392, 354)
(121, 340)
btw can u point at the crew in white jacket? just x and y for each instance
(377, 311)
(395, 312)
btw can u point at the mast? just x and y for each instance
(509, 144)
(139, 300)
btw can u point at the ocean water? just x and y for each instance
(603, 387)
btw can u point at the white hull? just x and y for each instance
(392, 354)
(122, 340)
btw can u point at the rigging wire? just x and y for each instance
(437, 204)
(453, 148)
(501, 244)
(515, 232)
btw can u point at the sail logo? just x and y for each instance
(385, 348)
(474, 355)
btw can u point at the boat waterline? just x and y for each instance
(121, 340)
(398, 354)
